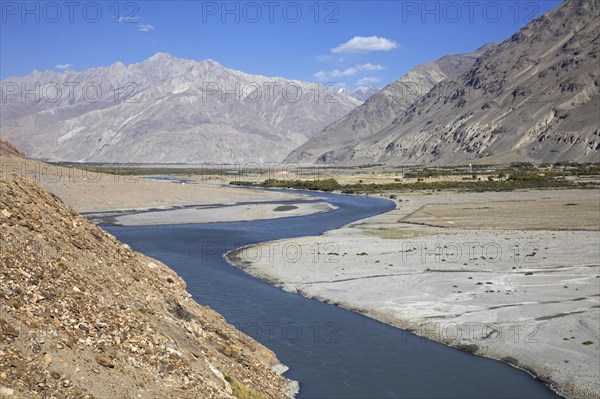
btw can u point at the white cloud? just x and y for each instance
(370, 67)
(367, 81)
(145, 27)
(321, 75)
(63, 66)
(337, 73)
(126, 20)
(359, 44)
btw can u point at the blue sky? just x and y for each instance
(348, 42)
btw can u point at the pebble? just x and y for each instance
(105, 361)
(36, 348)
(47, 359)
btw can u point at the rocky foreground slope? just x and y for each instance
(534, 97)
(84, 316)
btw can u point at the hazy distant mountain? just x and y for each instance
(363, 93)
(380, 109)
(534, 97)
(165, 109)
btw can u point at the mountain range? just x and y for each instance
(533, 97)
(165, 109)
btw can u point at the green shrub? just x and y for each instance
(241, 391)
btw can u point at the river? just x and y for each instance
(332, 352)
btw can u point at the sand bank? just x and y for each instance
(216, 213)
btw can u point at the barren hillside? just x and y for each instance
(84, 316)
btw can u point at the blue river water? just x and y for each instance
(332, 352)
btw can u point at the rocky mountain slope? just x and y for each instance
(165, 109)
(535, 97)
(84, 316)
(382, 108)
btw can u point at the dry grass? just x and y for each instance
(241, 391)
(581, 214)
